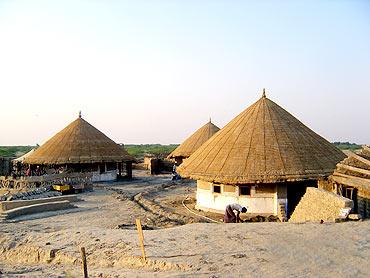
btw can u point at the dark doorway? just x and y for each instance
(351, 193)
(295, 191)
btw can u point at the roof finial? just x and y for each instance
(210, 120)
(79, 114)
(264, 93)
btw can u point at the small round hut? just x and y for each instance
(263, 159)
(80, 147)
(190, 145)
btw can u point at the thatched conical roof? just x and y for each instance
(197, 139)
(24, 156)
(262, 144)
(79, 142)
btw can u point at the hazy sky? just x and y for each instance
(155, 71)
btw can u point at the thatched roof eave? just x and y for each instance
(73, 161)
(256, 179)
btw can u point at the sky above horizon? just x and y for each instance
(155, 71)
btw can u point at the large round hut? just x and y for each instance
(80, 147)
(190, 145)
(263, 159)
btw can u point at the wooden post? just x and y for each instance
(129, 169)
(84, 263)
(141, 237)
(119, 166)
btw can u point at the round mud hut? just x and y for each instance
(80, 147)
(263, 159)
(190, 145)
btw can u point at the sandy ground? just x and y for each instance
(47, 244)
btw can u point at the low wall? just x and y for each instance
(318, 204)
(8, 205)
(46, 180)
(37, 208)
(106, 176)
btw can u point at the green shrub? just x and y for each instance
(138, 151)
(14, 151)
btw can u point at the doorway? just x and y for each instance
(295, 192)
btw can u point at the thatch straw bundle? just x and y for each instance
(198, 138)
(263, 144)
(79, 142)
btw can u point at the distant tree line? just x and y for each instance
(347, 146)
(14, 151)
(138, 151)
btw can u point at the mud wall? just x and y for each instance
(36, 208)
(106, 176)
(262, 200)
(7, 205)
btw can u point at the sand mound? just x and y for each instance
(14, 252)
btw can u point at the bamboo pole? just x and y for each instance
(84, 263)
(141, 237)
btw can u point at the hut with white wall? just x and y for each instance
(80, 147)
(263, 159)
(193, 142)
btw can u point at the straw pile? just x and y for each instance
(263, 144)
(197, 139)
(79, 142)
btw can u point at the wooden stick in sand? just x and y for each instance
(141, 237)
(84, 263)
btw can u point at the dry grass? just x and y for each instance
(262, 144)
(79, 142)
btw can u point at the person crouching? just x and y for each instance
(230, 216)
